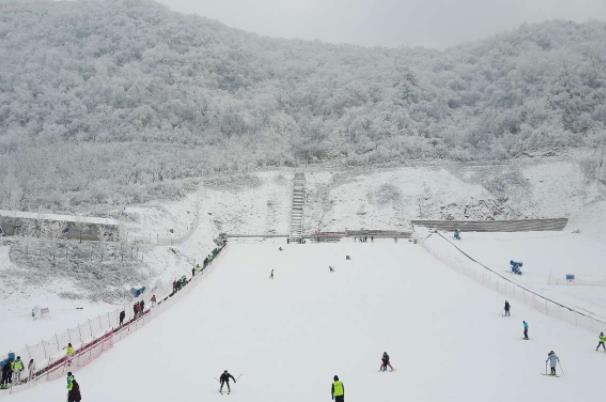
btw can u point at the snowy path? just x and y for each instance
(288, 336)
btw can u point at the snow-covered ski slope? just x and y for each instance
(289, 336)
(548, 257)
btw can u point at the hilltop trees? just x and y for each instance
(116, 101)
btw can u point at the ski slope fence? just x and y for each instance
(93, 337)
(516, 225)
(451, 255)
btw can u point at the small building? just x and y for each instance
(56, 226)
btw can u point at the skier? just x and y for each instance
(601, 343)
(553, 360)
(122, 316)
(17, 369)
(70, 353)
(457, 234)
(153, 300)
(337, 390)
(31, 368)
(507, 308)
(525, 330)
(224, 380)
(271, 274)
(385, 363)
(331, 268)
(73, 389)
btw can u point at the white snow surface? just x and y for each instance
(288, 336)
(337, 199)
(16, 323)
(547, 258)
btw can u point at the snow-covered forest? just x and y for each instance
(108, 102)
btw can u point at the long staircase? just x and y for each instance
(296, 212)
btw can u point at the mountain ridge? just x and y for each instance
(139, 97)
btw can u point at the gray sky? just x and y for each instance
(430, 23)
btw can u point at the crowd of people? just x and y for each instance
(12, 371)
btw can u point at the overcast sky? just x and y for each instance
(430, 23)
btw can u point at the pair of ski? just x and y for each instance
(553, 375)
(228, 391)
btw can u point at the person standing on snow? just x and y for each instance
(17, 369)
(70, 353)
(525, 330)
(224, 380)
(31, 367)
(73, 389)
(7, 373)
(601, 343)
(337, 391)
(507, 308)
(385, 363)
(553, 360)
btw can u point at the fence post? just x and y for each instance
(90, 326)
(80, 332)
(57, 340)
(44, 350)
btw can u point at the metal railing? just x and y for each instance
(91, 338)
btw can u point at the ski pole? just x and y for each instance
(561, 368)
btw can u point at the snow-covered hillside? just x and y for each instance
(288, 336)
(191, 97)
(165, 239)
(389, 198)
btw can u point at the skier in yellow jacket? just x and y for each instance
(337, 390)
